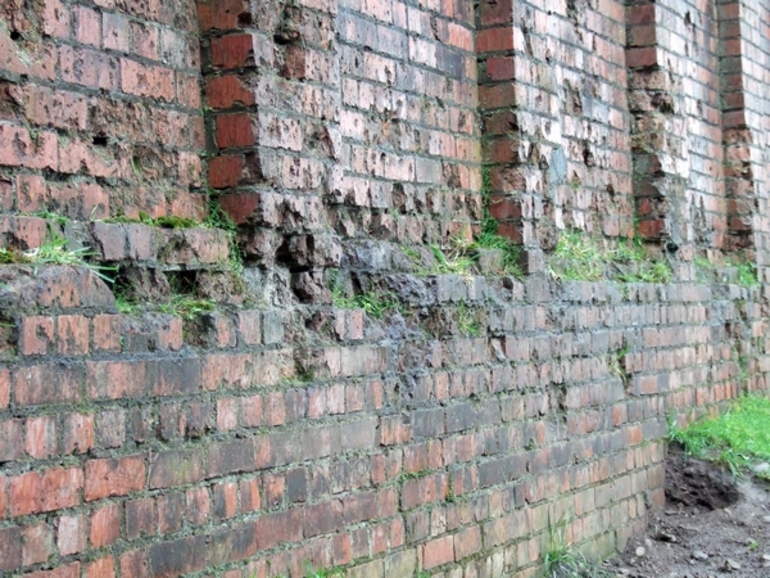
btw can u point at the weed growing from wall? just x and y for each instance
(579, 256)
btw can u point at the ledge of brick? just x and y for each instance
(150, 245)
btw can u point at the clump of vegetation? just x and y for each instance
(310, 572)
(55, 251)
(488, 237)
(635, 264)
(577, 257)
(744, 271)
(735, 438)
(188, 307)
(218, 219)
(375, 303)
(562, 561)
(164, 221)
(580, 257)
(467, 324)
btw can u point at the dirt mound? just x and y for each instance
(691, 482)
(712, 526)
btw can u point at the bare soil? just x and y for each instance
(712, 526)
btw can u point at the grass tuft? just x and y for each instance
(577, 257)
(562, 561)
(735, 438)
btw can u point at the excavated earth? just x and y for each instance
(713, 525)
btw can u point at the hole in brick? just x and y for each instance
(16, 36)
(244, 19)
(183, 282)
(100, 141)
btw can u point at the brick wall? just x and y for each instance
(340, 123)
(294, 422)
(553, 97)
(100, 109)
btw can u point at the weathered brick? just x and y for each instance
(105, 525)
(10, 548)
(41, 439)
(113, 477)
(38, 544)
(72, 534)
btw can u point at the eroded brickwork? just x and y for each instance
(553, 99)
(343, 398)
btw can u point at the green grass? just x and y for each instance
(454, 263)
(735, 438)
(562, 561)
(577, 257)
(55, 251)
(488, 237)
(187, 307)
(375, 303)
(580, 256)
(745, 270)
(310, 572)
(218, 219)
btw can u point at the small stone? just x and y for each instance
(766, 557)
(640, 552)
(731, 565)
(700, 555)
(760, 468)
(766, 519)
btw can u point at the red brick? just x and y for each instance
(114, 477)
(105, 525)
(198, 506)
(37, 335)
(147, 80)
(140, 518)
(467, 542)
(116, 32)
(437, 552)
(132, 564)
(232, 51)
(250, 499)
(38, 544)
(56, 19)
(88, 68)
(224, 171)
(78, 433)
(73, 334)
(107, 330)
(3, 497)
(31, 193)
(145, 39)
(80, 157)
(234, 130)
(115, 379)
(5, 388)
(227, 91)
(11, 439)
(60, 488)
(10, 548)
(42, 384)
(101, 568)
(170, 334)
(41, 440)
(221, 15)
(25, 494)
(68, 571)
(170, 512)
(72, 534)
(87, 26)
